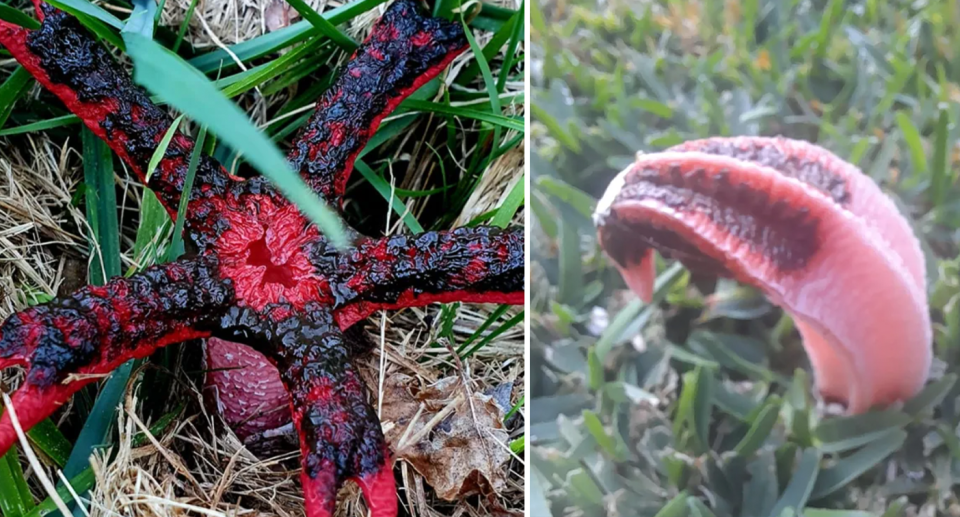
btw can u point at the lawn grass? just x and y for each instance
(445, 156)
(690, 408)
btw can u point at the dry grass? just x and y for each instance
(198, 467)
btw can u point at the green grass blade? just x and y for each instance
(507, 325)
(96, 19)
(162, 148)
(606, 442)
(101, 208)
(491, 49)
(176, 244)
(918, 156)
(183, 87)
(820, 512)
(256, 76)
(142, 18)
(624, 319)
(15, 498)
(677, 507)
(847, 469)
(510, 205)
(849, 432)
(273, 41)
(801, 484)
(940, 179)
(488, 81)
(518, 445)
(383, 188)
(576, 198)
(184, 25)
(81, 483)
(494, 316)
(694, 408)
(65, 120)
(510, 56)
(323, 26)
(931, 396)
(513, 410)
(514, 123)
(77, 7)
(17, 17)
(102, 215)
(16, 85)
(698, 508)
(571, 264)
(759, 431)
(47, 437)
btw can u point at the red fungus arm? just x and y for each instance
(861, 311)
(404, 51)
(340, 434)
(98, 328)
(478, 265)
(67, 61)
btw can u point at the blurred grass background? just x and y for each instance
(700, 404)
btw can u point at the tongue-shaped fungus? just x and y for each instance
(815, 234)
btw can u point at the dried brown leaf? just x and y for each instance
(457, 450)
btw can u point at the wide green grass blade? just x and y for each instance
(81, 483)
(538, 498)
(677, 507)
(102, 215)
(849, 432)
(95, 18)
(323, 26)
(77, 7)
(517, 446)
(47, 437)
(571, 264)
(931, 396)
(847, 469)
(101, 202)
(142, 18)
(17, 17)
(759, 430)
(15, 498)
(694, 408)
(698, 508)
(183, 87)
(801, 484)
